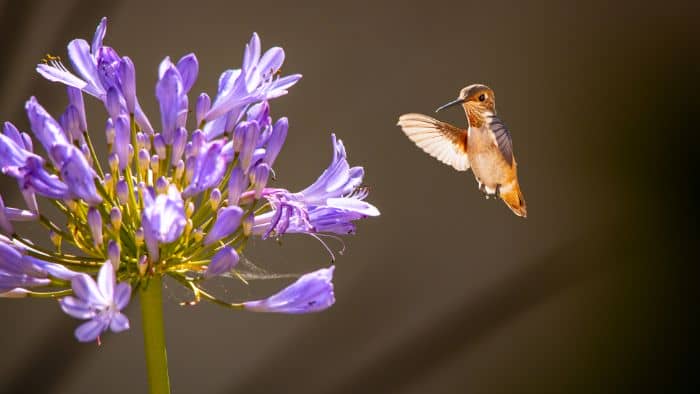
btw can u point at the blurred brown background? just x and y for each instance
(445, 292)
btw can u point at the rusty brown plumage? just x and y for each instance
(485, 146)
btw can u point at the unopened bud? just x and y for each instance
(94, 220)
(189, 209)
(198, 235)
(122, 192)
(143, 265)
(162, 185)
(115, 217)
(215, 198)
(138, 236)
(55, 238)
(113, 251)
(247, 224)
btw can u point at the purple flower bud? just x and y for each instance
(274, 144)
(227, 221)
(168, 91)
(179, 142)
(94, 220)
(113, 160)
(46, 129)
(144, 159)
(209, 169)
(312, 292)
(122, 136)
(188, 68)
(259, 177)
(143, 265)
(198, 142)
(247, 224)
(122, 192)
(79, 176)
(143, 141)
(237, 184)
(75, 98)
(222, 262)
(250, 138)
(70, 121)
(112, 103)
(159, 145)
(127, 78)
(162, 185)
(202, 107)
(110, 132)
(115, 217)
(155, 164)
(113, 252)
(215, 198)
(179, 169)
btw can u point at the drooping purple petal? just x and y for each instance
(312, 292)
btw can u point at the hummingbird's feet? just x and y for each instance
(496, 194)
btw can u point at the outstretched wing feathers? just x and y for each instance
(441, 140)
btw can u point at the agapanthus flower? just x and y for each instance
(179, 197)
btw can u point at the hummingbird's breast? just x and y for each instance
(486, 160)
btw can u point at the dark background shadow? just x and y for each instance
(445, 292)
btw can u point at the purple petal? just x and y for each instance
(90, 330)
(274, 144)
(354, 205)
(312, 292)
(119, 323)
(76, 308)
(122, 295)
(127, 77)
(105, 281)
(99, 35)
(168, 90)
(189, 68)
(55, 74)
(84, 64)
(85, 288)
(122, 137)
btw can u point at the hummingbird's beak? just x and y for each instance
(450, 104)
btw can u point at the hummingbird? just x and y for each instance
(485, 145)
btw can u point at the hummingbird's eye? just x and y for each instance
(482, 97)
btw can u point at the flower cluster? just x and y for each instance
(171, 200)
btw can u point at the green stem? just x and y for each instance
(154, 336)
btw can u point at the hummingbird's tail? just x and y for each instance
(513, 197)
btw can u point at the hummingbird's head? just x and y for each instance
(478, 97)
(477, 100)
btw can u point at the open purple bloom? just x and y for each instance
(98, 302)
(312, 292)
(330, 204)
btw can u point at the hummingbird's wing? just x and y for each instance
(502, 139)
(441, 140)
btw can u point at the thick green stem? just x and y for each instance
(154, 336)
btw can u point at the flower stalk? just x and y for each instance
(151, 299)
